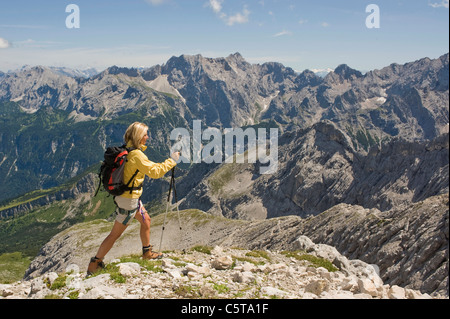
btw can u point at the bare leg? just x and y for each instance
(109, 241)
(145, 228)
(147, 252)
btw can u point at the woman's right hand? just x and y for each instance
(176, 156)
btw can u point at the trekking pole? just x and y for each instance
(176, 198)
(165, 215)
(172, 185)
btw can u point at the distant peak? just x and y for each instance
(236, 55)
(38, 68)
(347, 72)
(132, 72)
(184, 58)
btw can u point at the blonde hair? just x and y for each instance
(134, 134)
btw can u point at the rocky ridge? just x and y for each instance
(318, 169)
(408, 244)
(230, 273)
(86, 184)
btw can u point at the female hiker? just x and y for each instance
(129, 205)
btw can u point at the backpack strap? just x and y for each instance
(100, 178)
(129, 182)
(131, 189)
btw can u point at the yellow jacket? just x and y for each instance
(137, 160)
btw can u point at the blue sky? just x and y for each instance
(303, 35)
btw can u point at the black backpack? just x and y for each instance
(111, 171)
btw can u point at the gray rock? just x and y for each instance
(396, 292)
(317, 287)
(366, 286)
(129, 269)
(6, 290)
(271, 291)
(244, 277)
(100, 280)
(174, 273)
(104, 292)
(222, 263)
(304, 243)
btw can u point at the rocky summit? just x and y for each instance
(406, 248)
(211, 273)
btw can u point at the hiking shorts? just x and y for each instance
(126, 209)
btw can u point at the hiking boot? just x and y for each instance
(95, 265)
(148, 254)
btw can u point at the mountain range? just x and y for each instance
(377, 140)
(407, 100)
(54, 116)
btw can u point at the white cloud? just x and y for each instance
(325, 24)
(156, 2)
(443, 3)
(216, 5)
(239, 18)
(280, 34)
(4, 44)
